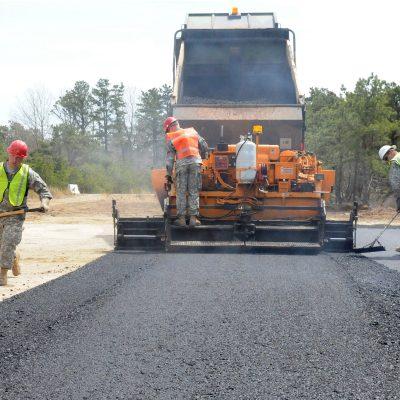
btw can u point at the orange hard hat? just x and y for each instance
(18, 148)
(168, 122)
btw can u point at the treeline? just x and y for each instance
(346, 131)
(106, 138)
(103, 138)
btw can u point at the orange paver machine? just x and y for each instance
(235, 83)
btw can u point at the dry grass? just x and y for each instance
(59, 193)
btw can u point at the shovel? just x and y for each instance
(375, 245)
(21, 211)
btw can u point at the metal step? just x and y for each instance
(125, 236)
(278, 245)
(258, 227)
(305, 228)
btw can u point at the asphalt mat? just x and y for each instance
(206, 326)
(390, 239)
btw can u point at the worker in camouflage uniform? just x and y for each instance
(185, 146)
(389, 154)
(16, 179)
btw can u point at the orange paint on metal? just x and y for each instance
(222, 198)
(158, 181)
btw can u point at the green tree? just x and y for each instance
(394, 103)
(346, 131)
(75, 107)
(372, 114)
(103, 111)
(120, 133)
(154, 106)
(72, 144)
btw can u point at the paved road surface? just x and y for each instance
(390, 239)
(206, 326)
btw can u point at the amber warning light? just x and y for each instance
(235, 11)
(257, 129)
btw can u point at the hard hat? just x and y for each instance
(384, 149)
(168, 122)
(18, 148)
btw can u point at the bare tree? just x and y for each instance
(131, 97)
(34, 111)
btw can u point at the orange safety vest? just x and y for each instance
(187, 144)
(172, 135)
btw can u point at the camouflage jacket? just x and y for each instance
(394, 175)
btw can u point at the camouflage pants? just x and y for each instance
(10, 237)
(188, 180)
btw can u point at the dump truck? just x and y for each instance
(234, 82)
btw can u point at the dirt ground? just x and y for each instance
(78, 229)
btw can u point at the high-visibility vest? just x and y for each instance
(17, 187)
(172, 135)
(187, 144)
(396, 159)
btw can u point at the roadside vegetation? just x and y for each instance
(346, 130)
(107, 138)
(104, 138)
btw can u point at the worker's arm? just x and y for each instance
(38, 185)
(170, 158)
(394, 180)
(203, 146)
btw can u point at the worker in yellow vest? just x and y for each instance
(392, 156)
(16, 179)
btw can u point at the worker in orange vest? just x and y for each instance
(184, 147)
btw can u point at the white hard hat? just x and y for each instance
(384, 149)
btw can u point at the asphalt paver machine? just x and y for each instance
(235, 83)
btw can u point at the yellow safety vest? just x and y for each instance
(17, 187)
(396, 159)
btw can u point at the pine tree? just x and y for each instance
(118, 119)
(154, 106)
(103, 111)
(76, 107)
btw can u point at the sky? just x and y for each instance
(53, 43)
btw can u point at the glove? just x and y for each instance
(398, 204)
(168, 183)
(45, 203)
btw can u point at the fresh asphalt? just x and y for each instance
(390, 240)
(206, 326)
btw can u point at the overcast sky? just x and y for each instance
(54, 43)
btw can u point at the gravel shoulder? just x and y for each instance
(77, 230)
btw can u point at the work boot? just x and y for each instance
(181, 221)
(194, 221)
(16, 269)
(3, 277)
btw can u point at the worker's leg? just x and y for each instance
(3, 271)
(16, 267)
(11, 235)
(194, 180)
(181, 179)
